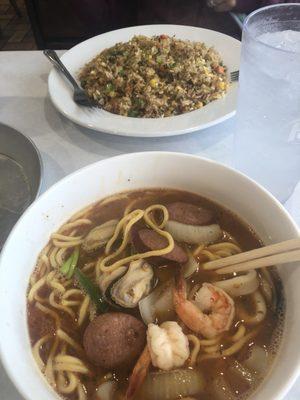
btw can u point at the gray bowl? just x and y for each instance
(20, 177)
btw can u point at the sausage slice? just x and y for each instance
(147, 239)
(189, 214)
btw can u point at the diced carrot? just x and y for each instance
(220, 69)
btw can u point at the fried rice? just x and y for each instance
(155, 77)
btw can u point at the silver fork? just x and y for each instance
(79, 96)
(234, 76)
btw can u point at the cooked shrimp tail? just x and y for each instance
(209, 298)
(180, 293)
(139, 374)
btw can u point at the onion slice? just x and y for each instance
(159, 304)
(106, 390)
(194, 234)
(190, 266)
(260, 310)
(171, 385)
(258, 360)
(240, 285)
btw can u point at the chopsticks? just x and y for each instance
(279, 253)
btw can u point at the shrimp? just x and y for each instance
(211, 299)
(168, 345)
(139, 374)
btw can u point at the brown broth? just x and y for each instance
(40, 324)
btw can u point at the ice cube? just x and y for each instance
(286, 40)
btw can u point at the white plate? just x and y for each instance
(103, 121)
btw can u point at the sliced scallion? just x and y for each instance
(64, 269)
(73, 263)
(92, 290)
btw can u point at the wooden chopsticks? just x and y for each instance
(279, 253)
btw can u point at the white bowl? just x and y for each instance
(127, 172)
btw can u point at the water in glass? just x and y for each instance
(267, 142)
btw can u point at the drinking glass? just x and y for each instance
(267, 140)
